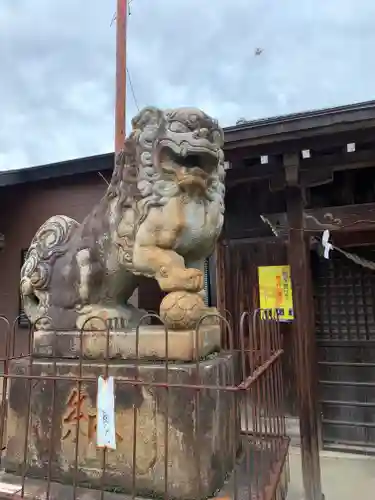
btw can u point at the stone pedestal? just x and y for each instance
(196, 435)
(182, 345)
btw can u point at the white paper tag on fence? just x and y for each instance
(106, 422)
(327, 246)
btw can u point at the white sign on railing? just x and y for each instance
(106, 421)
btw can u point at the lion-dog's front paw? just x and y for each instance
(174, 279)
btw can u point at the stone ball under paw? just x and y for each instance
(182, 310)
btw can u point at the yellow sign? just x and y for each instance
(275, 291)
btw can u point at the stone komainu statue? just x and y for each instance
(160, 217)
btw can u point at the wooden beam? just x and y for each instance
(291, 169)
(319, 170)
(341, 161)
(344, 218)
(304, 347)
(313, 171)
(353, 239)
(259, 239)
(276, 176)
(252, 173)
(307, 178)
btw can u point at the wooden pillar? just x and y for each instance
(220, 257)
(222, 285)
(303, 334)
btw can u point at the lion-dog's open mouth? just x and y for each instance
(192, 166)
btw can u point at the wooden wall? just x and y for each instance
(237, 267)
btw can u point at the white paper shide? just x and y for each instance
(106, 421)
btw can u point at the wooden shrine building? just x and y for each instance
(290, 178)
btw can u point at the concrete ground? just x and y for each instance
(344, 476)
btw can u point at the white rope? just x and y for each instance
(360, 261)
(352, 256)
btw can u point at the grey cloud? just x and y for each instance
(57, 65)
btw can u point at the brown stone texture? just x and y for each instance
(196, 432)
(29, 205)
(182, 345)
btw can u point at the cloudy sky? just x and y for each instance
(57, 65)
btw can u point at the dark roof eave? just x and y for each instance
(88, 164)
(269, 129)
(283, 125)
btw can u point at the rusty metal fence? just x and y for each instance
(209, 428)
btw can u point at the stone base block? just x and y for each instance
(183, 345)
(196, 433)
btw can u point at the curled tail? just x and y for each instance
(48, 243)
